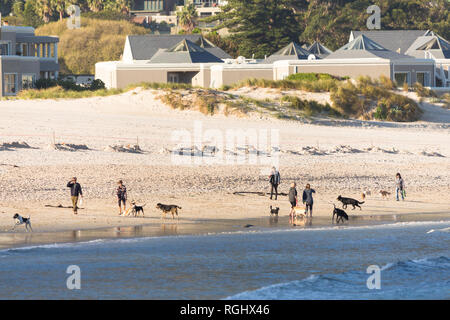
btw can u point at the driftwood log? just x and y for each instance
(262, 193)
(60, 206)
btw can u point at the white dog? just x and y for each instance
(19, 220)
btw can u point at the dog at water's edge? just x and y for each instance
(168, 208)
(340, 214)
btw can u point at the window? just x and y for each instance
(4, 49)
(422, 78)
(10, 80)
(28, 81)
(401, 78)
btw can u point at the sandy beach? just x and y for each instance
(83, 138)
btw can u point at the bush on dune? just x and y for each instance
(97, 40)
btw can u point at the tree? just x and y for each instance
(95, 5)
(44, 8)
(260, 27)
(60, 7)
(186, 17)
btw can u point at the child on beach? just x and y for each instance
(293, 198)
(400, 186)
(121, 193)
(308, 200)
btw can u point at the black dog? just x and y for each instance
(349, 201)
(341, 215)
(274, 211)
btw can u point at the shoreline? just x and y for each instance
(15, 240)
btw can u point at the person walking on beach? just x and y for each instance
(293, 198)
(400, 186)
(274, 180)
(121, 193)
(75, 192)
(308, 200)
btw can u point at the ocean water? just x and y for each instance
(315, 263)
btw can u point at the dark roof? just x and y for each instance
(184, 52)
(436, 45)
(319, 50)
(144, 47)
(293, 51)
(363, 47)
(393, 40)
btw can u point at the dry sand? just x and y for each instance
(94, 139)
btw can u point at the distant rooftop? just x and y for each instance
(184, 52)
(319, 50)
(394, 40)
(144, 47)
(293, 51)
(363, 47)
(434, 44)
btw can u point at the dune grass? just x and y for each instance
(61, 93)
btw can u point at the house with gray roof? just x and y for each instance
(364, 57)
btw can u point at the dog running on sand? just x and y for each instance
(349, 201)
(384, 194)
(19, 220)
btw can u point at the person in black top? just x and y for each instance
(293, 197)
(121, 193)
(274, 180)
(75, 192)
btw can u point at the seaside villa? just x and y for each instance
(25, 58)
(403, 56)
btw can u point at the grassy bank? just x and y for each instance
(104, 38)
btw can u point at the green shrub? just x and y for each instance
(309, 107)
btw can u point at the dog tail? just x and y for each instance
(179, 207)
(361, 202)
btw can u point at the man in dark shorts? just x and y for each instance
(75, 192)
(121, 193)
(293, 197)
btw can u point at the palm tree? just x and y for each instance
(95, 5)
(44, 8)
(186, 17)
(60, 7)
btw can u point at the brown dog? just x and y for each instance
(384, 194)
(168, 208)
